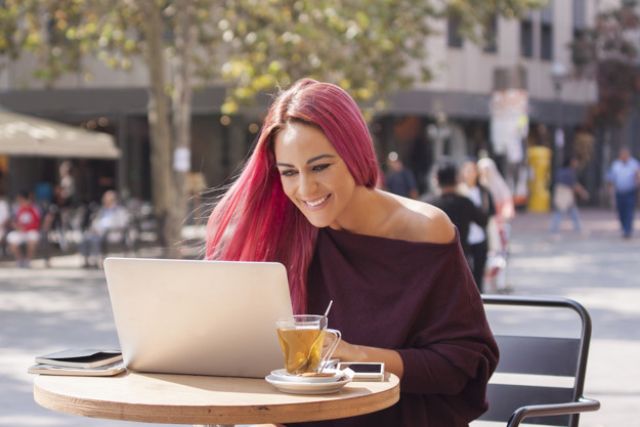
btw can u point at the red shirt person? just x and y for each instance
(26, 224)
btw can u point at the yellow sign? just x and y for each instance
(540, 162)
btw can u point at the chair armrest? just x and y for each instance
(582, 405)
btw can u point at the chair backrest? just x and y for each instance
(548, 368)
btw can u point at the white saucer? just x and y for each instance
(299, 387)
(283, 375)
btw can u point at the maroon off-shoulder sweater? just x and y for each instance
(418, 299)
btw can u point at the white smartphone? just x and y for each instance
(365, 371)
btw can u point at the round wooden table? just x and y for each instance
(188, 399)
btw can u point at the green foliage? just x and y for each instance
(17, 26)
(59, 33)
(364, 46)
(369, 47)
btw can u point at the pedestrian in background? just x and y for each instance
(400, 180)
(477, 239)
(566, 189)
(26, 230)
(459, 208)
(624, 180)
(499, 227)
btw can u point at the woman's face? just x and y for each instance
(313, 175)
(470, 173)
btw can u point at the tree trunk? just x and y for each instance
(185, 34)
(158, 115)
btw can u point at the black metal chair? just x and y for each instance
(547, 356)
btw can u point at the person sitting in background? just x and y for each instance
(478, 241)
(109, 223)
(400, 180)
(564, 201)
(26, 230)
(43, 194)
(5, 217)
(55, 224)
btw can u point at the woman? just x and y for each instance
(564, 201)
(499, 227)
(477, 238)
(402, 291)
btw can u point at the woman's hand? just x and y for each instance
(348, 352)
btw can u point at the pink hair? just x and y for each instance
(254, 220)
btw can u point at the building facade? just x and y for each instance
(448, 116)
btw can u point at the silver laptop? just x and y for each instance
(198, 317)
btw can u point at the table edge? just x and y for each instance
(169, 414)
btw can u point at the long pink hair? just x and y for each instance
(254, 220)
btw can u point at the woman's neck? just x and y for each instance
(367, 213)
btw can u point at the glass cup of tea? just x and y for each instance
(302, 339)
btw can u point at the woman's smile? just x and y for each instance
(317, 203)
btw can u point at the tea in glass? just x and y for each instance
(301, 339)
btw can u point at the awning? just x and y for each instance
(22, 135)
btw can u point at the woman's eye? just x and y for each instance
(321, 167)
(288, 172)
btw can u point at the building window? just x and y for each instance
(491, 35)
(579, 14)
(526, 38)
(579, 19)
(454, 35)
(546, 42)
(546, 32)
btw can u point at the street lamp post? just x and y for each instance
(558, 75)
(438, 132)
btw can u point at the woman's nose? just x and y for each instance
(307, 184)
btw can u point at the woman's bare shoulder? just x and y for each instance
(425, 223)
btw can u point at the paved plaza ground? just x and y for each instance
(43, 310)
